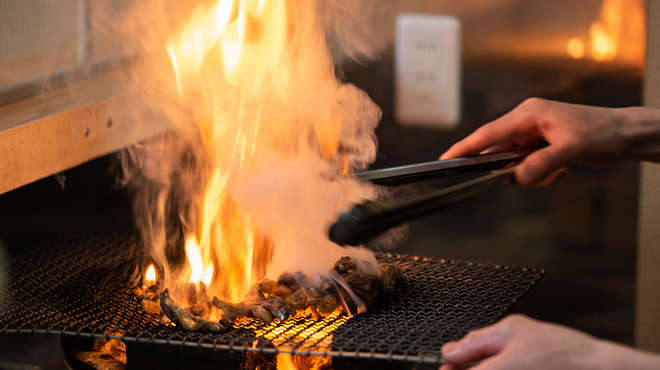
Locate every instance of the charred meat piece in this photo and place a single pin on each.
(393, 275)
(372, 289)
(327, 305)
(313, 296)
(345, 264)
(184, 319)
(298, 300)
(262, 313)
(366, 287)
(254, 296)
(267, 286)
(291, 280)
(266, 310)
(391, 271)
(288, 311)
(151, 300)
(276, 301)
(291, 293)
(283, 292)
(230, 311)
(279, 308)
(192, 294)
(200, 304)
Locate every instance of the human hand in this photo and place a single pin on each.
(518, 342)
(574, 134)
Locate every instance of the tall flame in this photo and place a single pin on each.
(263, 131)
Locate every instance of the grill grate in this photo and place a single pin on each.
(78, 286)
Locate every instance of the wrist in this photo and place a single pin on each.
(612, 356)
(640, 133)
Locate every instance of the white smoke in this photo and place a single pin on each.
(291, 190)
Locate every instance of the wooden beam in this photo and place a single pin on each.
(48, 134)
(647, 321)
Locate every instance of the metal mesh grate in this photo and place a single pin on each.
(79, 286)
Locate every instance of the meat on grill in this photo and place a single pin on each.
(292, 293)
(183, 318)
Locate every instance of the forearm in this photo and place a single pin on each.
(640, 132)
(612, 356)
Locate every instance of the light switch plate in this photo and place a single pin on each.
(427, 70)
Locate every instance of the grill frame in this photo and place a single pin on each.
(49, 288)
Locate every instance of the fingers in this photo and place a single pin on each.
(477, 345)
(500, 148)
(555, 177)
(541, 164)
(500, 362)
(483, 138)
(520, 123)
(451, 367)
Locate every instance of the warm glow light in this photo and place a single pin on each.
(250, 173)
(150, 276)
(575, 48)
(194, 259)
(189, 48)
(208, 275)
(603, 47)
(285, 362)
(260, 83)
(618, 33)
(246, 38)
(606, 32)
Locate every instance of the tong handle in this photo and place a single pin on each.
(449, 167)
(372, 218)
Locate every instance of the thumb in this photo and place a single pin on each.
(541, 164)
(477, 345)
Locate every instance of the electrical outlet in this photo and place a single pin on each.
(427, 70)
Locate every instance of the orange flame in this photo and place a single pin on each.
(150, 276)
(244, 38)
(262, 131)
(285, 362)
(234, 61)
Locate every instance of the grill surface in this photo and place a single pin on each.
(80, 286)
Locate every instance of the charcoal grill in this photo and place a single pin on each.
(79, 286)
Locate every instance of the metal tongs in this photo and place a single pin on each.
(372, 218)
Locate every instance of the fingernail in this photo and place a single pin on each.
(527, 175)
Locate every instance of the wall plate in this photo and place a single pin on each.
(427, 61)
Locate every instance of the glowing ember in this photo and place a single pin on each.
(285, 362)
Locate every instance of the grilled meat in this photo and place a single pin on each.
(291, 294)
(185, 319)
